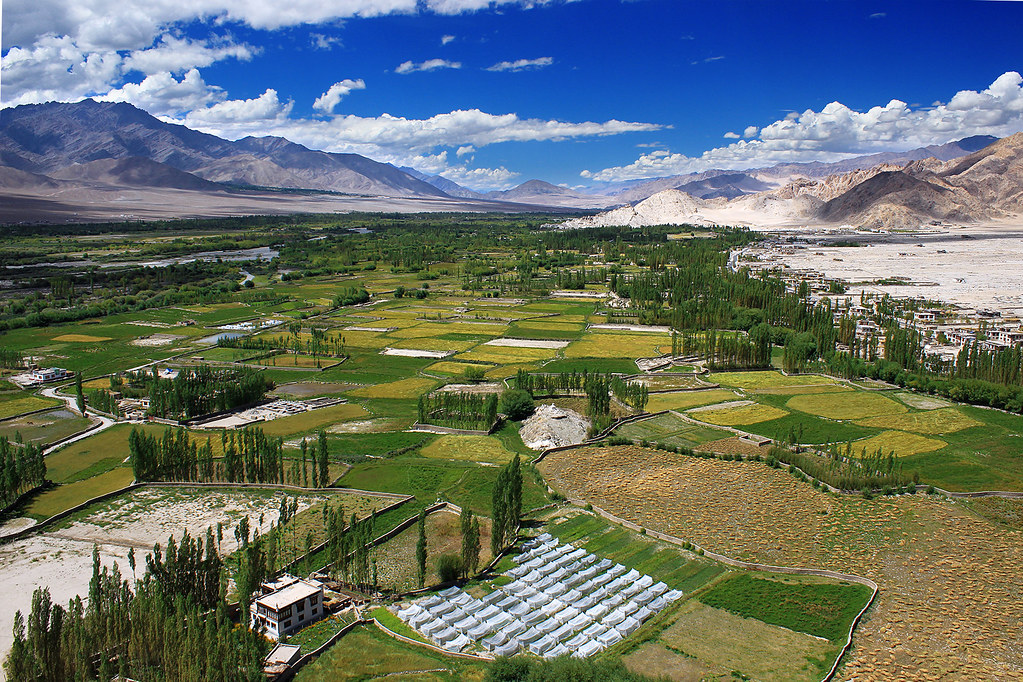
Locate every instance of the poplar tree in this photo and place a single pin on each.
(421, 548)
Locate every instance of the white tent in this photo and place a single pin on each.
(558, 650)
(544, 583)
(547, 569)
(588, 649)
(420, 618)
(614, 600)
(571, 597)
(500, 620)
(449, 593)
(644, 597)
(493, 597)
(604, 564)
(479, 632)
(513, 628)
(553, 607)
(598, 611)
(632, 590)
(586, 587)
(617, 584)
(587, 559)
(494, 641)
(577, 641)
(530, 635)
(580, 622)
(566, 614)
(632, 576)
(538, 600)
(409, 612)
(577, 553)
(520, 609)
(614, 618)
(431, 601)
(595, 630)
(466, 624)
(548, 626)
(628, 608)
(507, 649)
(628, 626)
(458, 643)
(532, 577)
(487, 612)
(444, 636)
(460, 599)
(431, 627)
(600, 594)
(556, 590)
(645, 581)
(474, 606)
(454, 615)
(609, 638)
(602, 579)
(588, 573)
(533, 617)
(507, 603)
(563, 633)
(658, 589)
(673, 595)
(441, 609)
(617, 570)
(657, 604)
(585, 603)
(642, 614)
(542, 645)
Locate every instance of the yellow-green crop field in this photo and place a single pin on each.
(468, 448)
(683, 400)
(552, 326)
(403, 388)
(453, 368)
(427, 343)
(11, 408)
(854, 405)
(902, 443)
(505, 371)
(506, 355)
(613, 345)
(765, 379)
(81, 338)
(740, 416)
(944, 420)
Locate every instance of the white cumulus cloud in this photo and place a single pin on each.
(329, 100)
(838, 132)
(180, 54)
(522, 64)
(162, 94)
(444, 40)
(428, 65)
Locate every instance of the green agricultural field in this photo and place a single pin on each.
(468, 448)
(685, 399)
(292, 360)
(44, 427)
(63, 497)
(13, 404)
(366, 653)
(434, 343)
(900, 442)
(855, 405)
(804, 604)
(506, 355)
(942, 420)
(403, 388)
(96, 454)
(739, 416)
(617, 345)
(454, 369)
(600, 365)
(460, 482)
(758, 380)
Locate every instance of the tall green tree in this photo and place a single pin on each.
(470, 542)
(79, 395)
(421, 549)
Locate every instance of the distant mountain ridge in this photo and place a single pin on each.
(56, 138)
(986, 184)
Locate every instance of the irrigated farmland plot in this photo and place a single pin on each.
(470, 448)
(901, 443)
(758, 380)
(610, 345)
(403, 388)
(683, 400)
(741, 415)
(853, 405)
(948, 606)
(944, 420)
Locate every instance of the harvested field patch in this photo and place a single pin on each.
(901, 443)
(81, 338)
(921, 401)
(615, 345)
(739, 416)
(732, 446)
(925, 553)
(434, 344)
(396, 559)
(468, 448)
(942, 420)
(855, 405)
(685, 399)
(765, 379)
(416, 353)
(670, 429)
(403, 388)
(725, 642)
(805, 390)
(292, 360)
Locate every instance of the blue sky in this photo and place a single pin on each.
(578, 93)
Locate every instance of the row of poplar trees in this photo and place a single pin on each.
(22, 468)
(169, 624)
(506, 506)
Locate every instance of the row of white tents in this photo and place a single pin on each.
(561, 600)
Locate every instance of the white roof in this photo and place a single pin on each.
(291, 594)
(282, 653)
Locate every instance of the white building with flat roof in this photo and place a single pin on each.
(290, 605)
